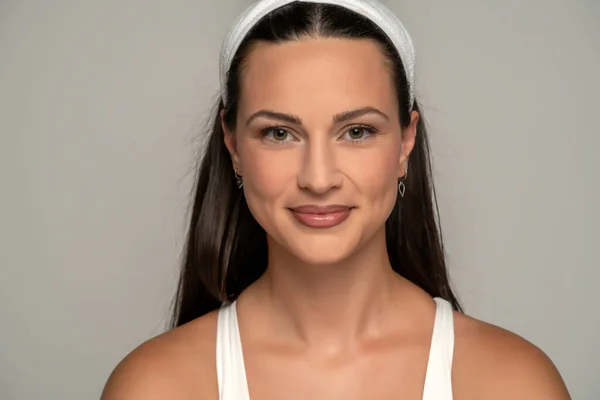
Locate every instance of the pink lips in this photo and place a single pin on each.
(321, 216)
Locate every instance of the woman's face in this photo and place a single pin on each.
(319, 144)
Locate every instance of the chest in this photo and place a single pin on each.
(388, 372)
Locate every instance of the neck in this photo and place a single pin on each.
(331, 304)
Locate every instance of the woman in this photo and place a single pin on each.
(314, 267)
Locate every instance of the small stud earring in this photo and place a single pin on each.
(401, 185)
(238, 179)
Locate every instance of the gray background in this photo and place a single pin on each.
(100, 108)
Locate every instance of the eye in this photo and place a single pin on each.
(358, 133)
(277, 134)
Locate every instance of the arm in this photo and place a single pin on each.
(141, 375)
(495, 364)
(177, 365)
(530, 375)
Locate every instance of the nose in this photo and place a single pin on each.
(319, 172)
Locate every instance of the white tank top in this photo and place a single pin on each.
(231, 373)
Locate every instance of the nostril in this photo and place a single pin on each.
(319, 173)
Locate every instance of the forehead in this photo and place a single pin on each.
(317, 76)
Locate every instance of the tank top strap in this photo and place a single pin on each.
(231, 373)
(438, 378)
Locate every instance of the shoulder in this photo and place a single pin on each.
(493, 363)
(179, 364)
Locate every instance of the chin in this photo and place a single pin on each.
(326, 246)
(322, 250)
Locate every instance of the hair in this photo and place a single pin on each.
(226, 249)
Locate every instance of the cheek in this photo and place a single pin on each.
(375, 171)
(267, 174)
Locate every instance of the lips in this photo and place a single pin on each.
(315, 216)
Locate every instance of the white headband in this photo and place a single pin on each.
(371, 9)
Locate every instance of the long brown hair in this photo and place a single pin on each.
(226, 248)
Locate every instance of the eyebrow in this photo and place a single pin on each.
(337, 118)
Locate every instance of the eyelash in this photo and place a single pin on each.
(268, 129)
(369, 129)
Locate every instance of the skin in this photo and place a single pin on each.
(329, 319)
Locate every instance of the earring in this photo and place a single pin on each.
(238, 179)
(401, 185)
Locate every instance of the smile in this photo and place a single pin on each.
(321, 216)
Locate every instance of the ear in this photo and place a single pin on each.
(230, 142)
(409, 135)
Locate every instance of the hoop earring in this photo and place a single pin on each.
(401, 185)
(238, 179)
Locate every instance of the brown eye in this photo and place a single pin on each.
(277, 134)
(356, 133)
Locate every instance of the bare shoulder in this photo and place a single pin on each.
(493, 363)
(178, 365)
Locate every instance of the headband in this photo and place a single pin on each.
(370, 9)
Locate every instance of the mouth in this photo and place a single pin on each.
(327, 216)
